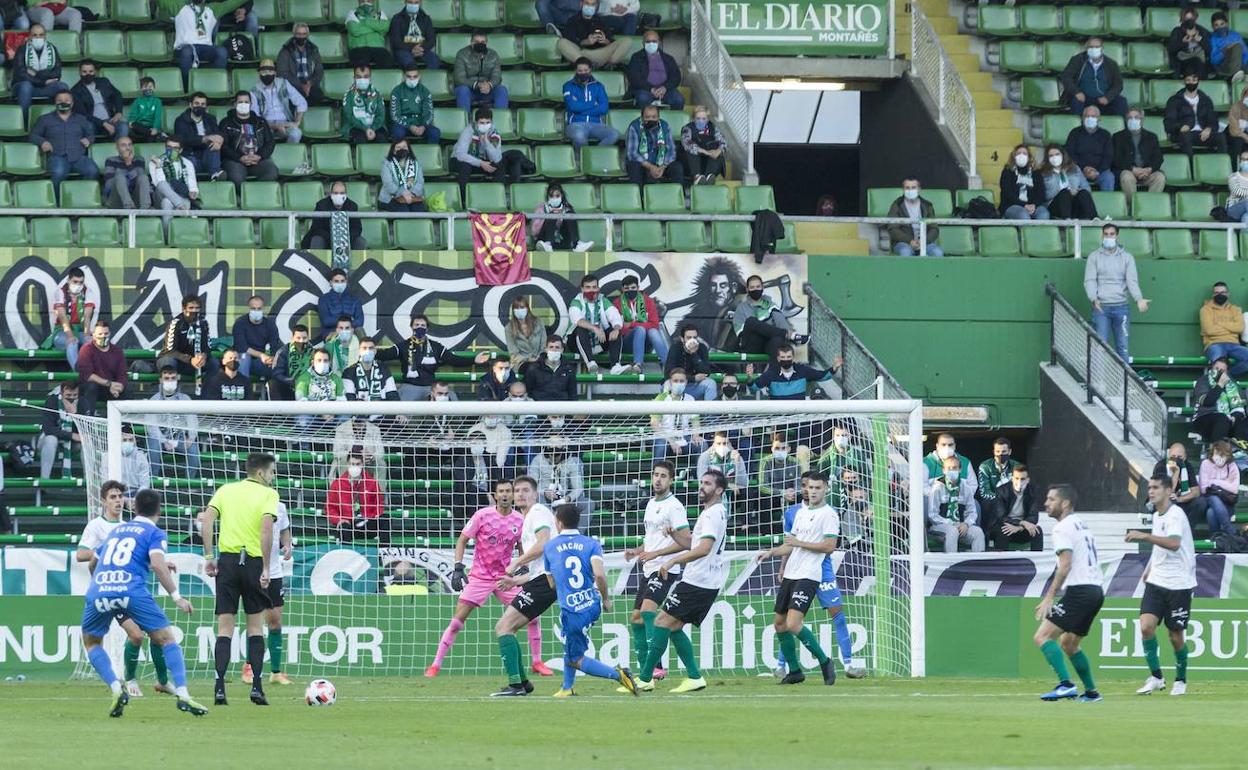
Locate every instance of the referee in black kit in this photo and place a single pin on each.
(247, 510)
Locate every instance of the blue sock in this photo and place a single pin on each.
(599, 669)
(843, 638)
(102, 664)
(176, 663)
(569, 673)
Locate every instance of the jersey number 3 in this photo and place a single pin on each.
(576, 577)
(119, 552)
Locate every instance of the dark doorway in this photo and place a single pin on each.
(801, 173)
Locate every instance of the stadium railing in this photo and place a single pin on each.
(709, 60)
(861, 374)
(930, 65)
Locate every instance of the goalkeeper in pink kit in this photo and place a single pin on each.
(496, 530)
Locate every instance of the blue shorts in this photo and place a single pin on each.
(829, 595)
(99, 612)
(576, 627)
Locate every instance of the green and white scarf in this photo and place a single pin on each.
(635, 311)
(40, 60)
(67, 422)
(660, 142)
(174, 170)
(953, 511)
(414, 35)
(403, 172)
(592, 311)
(298, 361)
(201, 19)
(764, 308)
(340, 240)
(1231, 400)
(363, 105)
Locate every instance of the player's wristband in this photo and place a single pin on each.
(176, 596)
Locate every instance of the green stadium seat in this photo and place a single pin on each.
(1194, 206)
(149, 46)
(1040, 93)
(1113, 123)
(362, 193)
(338, 10)
(234, 233)
(190, 233)
(1046, 242)
(262, 196)
(335, 84)
(955, 240)
(527, 196)
(368, 158)
(1110, 205)
(1057, 53)
(332, 46)
(520, 86)
(108, 46)
(1212, 169)
(1219, 92)
(998, 21)
(333, 159)
(879, 199)
(664, 199)
(1147, 58)
(510, 48)
(454, 201)
(1133, 91)
(6, 194)
(1160, 91)
(642, 235)
(22, 159)
(621, 118)
(1124, 21)
(385, 81)
(376, 234)
(1212, 245)
(311, 12)
(556, 161)
(710, 199)
(132, 12)
(540, 51)
(215, 83)
(1138, 241)
(34, 194)
(941, 200)
(98, 231)
(540, 124)
(552, 85)
(451, 43)
(615, 84)
(149, 232)
(1178, 170)
(669, 18)
(270, 43)
(452, 122)
(98, 7)
(303, 196)
(1156, 124)
(1114, 50)
(1173, 244)
(80, 194)
(621, 199)
(1041, 20)
(275, 234)
(462, 233)
(13, 231)
(1084, 21)
(12, 124)
(432, 160)
(788, 244)
(751, 198)
(1154, 207)
(583, 195)
(289, 157)
(687, 237)
(963, 197)
(521, 14)
(218, 196)
(445, 13)
(416, 235)
(481, 14)
(168, 81)
(321, 123)
(1159, 21)
(504, 124)
(68, 44)
(999, 242)
(486, 196)
(124, 79)
(268, 12)
(51, 231)
(594, 230)
(733, 237)
(1021, 56)
(1058, 127)
(601, 162)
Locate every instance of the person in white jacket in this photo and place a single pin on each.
(173, 179)
(279, 102)
(952, 511)
(193, 29)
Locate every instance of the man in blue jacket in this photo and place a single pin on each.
(1227, 52)
(337, 303)
(256, 339)
(585, 101)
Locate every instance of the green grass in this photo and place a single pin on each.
(736, 722)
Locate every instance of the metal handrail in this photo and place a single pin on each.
(930, 64)
(732, 101)
(821, 317)
(1148, 400)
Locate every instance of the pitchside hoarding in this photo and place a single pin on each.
(810, 28)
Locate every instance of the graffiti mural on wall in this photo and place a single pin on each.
(139, 299)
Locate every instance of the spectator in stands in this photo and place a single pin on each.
(1191, 119)
(411, 109)
(595, 324)
(73, 307)
(185, 345)
(363, 110)
(1220, 410)
(490, 455)
(1227, 53)
(240, 19)
(703, 146)
(785, 380)
(193, 30)
(412, 38)
(320, 234)
(126, 185)
(650, 151)
(50, 14)
(549, 228)
(402, 180)
(1093, 79)
(760, 325)
(477, 75)
(1067, 193)
(620, 16)
(653, 75)
(692, 356)
(367, 379)
(201, 137)
(553, 379)
(560, 476)
(147, 113)
(1219, 487)
(675, 433)
(419, 358)
(721, 456)
(173, 179)
(228, 384)
(58, 430)
(952, 513)
(64, 136)
(136, 469)
(292, 360)
(1184, 481)
(12, 17)
(585, 108)
(361, 436)
(1021, 190)
(1015, 512)
(496, 385)
(36, 70)
(319, 382)
(257, 340)
(1237, 186)
(992, 476)
(101, 369)
(555, 13)
(173, 433)
(98, 101)
(343, 346)
(1137, 156)
(588, 36)
(1109, 277)
(367, 28)
(1091, 148)
(1190, 44)
(526, 335)
(841, 454)
(299, 63)
(354, 504)
(913, 206)
(247, 144)
(479, 150)
(946, 447)
(641, 322)
(1237, 125)
(1221, 324)
(779, 475)
(336, 303)
(278, 101)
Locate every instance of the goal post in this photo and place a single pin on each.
(374, 601)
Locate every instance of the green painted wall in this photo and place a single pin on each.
(971, 331)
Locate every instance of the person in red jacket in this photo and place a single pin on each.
(101, 369)
(355, 502)
(641, 322)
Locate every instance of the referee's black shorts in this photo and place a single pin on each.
(239, 578)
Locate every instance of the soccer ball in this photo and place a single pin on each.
(320, 692)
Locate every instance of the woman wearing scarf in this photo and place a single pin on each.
(1220, 410)
(402, 180)
(552, 231)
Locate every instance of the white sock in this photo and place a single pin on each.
(183, 693)
(115, 686)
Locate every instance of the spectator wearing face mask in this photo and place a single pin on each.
(992, 476)
(228, 384)
(1183, 481)
(136, 469)
(492, 459)
(247, 144)
(359, 435)
(1237, 126)
(952, 512)
(641, 323)
(412, 38)
(279, 102)
(174, 434)
(101, 368)
(343, 346)
(419, 358)
(193, 30)
(913, 206)
(147, 113)
(73, 308)
(97, 100)
(1237, 185)
(1016, 513)
(1221, 326)
(186, 344)
(319, 382)
(496, 385)
(586, 105)
(320, 234)
(1093, 79)
(126, 184)
(36, 70)
(58, 429)
(368, 379)
(477, 76)
(549, 227)
(367, 29)
(336, 303)
(201, 137)
(1137, 157)
(722, 457)
(729, 387)
(587, 35)
(526, 336)
(946, 447)
(653, 75)
(676, 434)
(299, 63)
(1190, 44)
(760, 325)
(1191, 119)
(1067, 193)
(1227, 53)
(363, 110)
(1022, 191)
(703, 146)
(402, 180)
(692, 356)
(173, 178)
(595, 324)
(291, 361)
(479, 151)
(256, 339)
(1091, 148)
(650, 151)
(1109, 279)
(411, 110)
(785, 380)
(1220, 407)
(1219, 488)
(65, 137)
(552, 378)
(354, 504)
(779, 475)
(840, 455)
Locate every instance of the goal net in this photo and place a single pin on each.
(368, 584)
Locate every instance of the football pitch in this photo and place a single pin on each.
(734, 723)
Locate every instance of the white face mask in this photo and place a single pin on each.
(256, 316)
(1109, 243)
(553, 356)
(322, 368)
(368, 356)
(1055, 161)
(952, 476)
(338, 198)
(354, 471)
(412, 82)
(484, 128)
(555, 201)
(1134, 124)
(1021, 159)
(243, 108)
(1091, 123)
(1094, 53)
(169, 387)
(678, 388)
(441, 397)
(911, 194)
(521, 313)
(490, 422)
(842, 442)
(344, 336)
(363, 83)
(556, 422)
(75, 288)
(1219, 461)
(651, 48)
(127, 448)
(723, 449)
(780, 454)
(944, 452)
(38, 43)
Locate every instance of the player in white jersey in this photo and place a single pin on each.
(667, 533)
(112, 499)
(527, 570)
(690, 600)
(1169, 581)
(277, 598)
(1070, 618)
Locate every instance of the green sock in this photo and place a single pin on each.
(788, 645)
(509, 649)
(684, 650)
(1083, 667)
(275, 651)
(1053, 654)
(1180, 664)
(158, 662)
(131, 658)
(658, 645)
(808, 639)
(647, 621)
(641, 643)
(1152, 657)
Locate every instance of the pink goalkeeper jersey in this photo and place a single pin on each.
(496, 537)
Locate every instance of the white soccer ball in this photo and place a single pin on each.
(320, 692)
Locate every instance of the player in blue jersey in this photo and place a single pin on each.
(829, 596)
(119, 588)
(574, 567)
